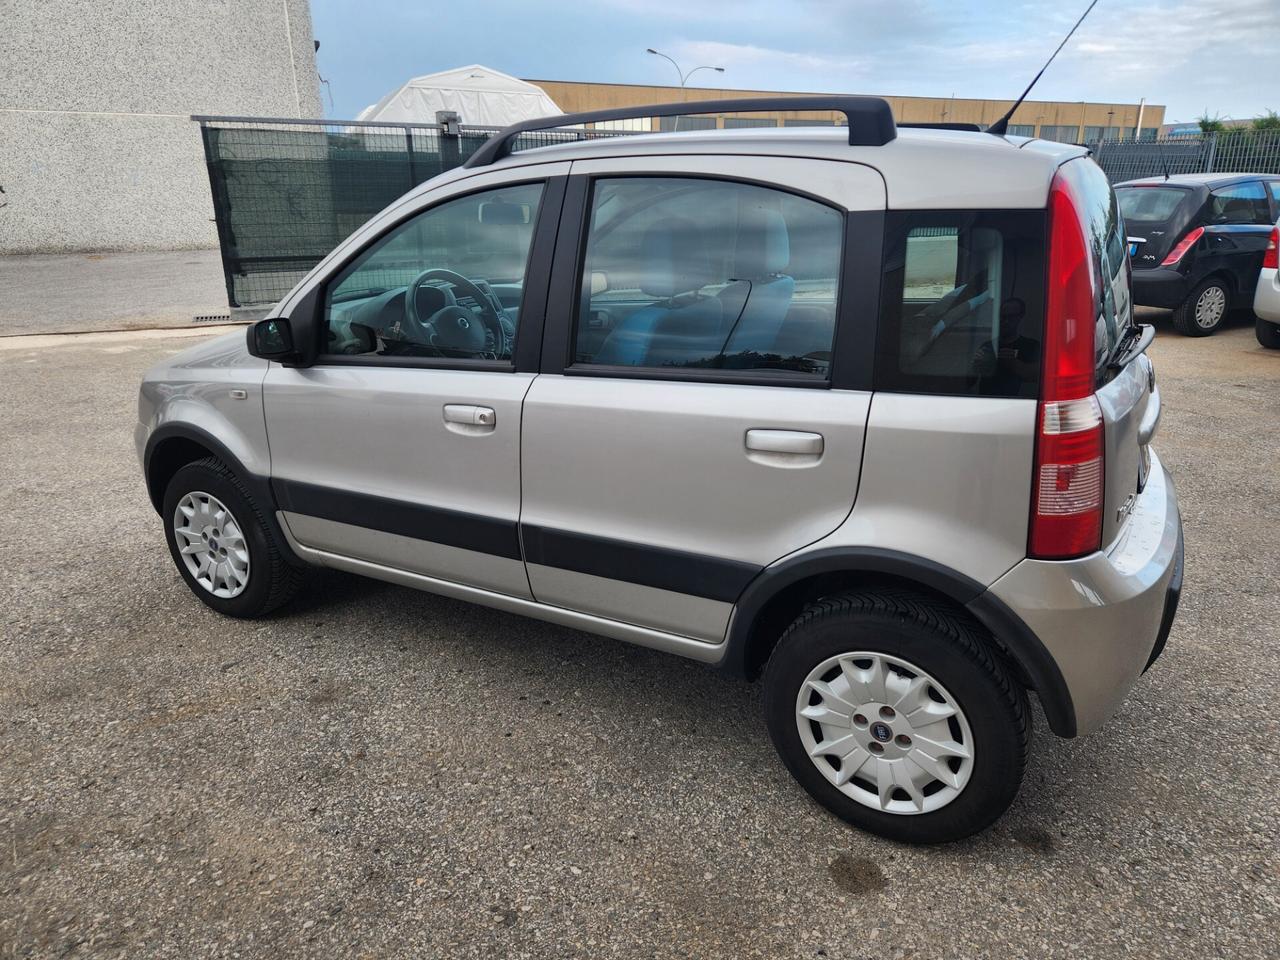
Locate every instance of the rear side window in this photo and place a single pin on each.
(701, 274)
(962, 303)
(1240, 203)
(1150, 204)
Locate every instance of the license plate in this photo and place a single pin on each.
(1144, 466)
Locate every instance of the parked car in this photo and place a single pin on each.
(1196, 241)
(1266, 298)
(798, 403)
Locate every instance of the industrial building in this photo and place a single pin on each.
(1072, 122)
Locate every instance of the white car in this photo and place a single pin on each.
(1266, 299)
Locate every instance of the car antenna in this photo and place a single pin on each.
(1164, 164)
(1001, 126)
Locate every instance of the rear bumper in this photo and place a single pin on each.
(1266, 297)
(1160, 287)
(1105, 618)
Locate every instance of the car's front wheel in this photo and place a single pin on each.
(222, 545)
(894, 713)
(1203, 312)
(1268, 333)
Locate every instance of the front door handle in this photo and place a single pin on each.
(467, 418)
(794, 442)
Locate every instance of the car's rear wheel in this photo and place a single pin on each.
(222, 545)
(895, 714)
(1203, 312)
(1268, 333)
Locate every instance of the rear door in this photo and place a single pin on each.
(1239, 226)
(696, 418)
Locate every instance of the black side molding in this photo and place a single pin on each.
(870, 119)
(453, 528)
(713, 578)
(1008, 629)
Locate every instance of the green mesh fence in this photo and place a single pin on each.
(286, 192)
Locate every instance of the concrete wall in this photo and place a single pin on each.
(573, 97)
(97, 149)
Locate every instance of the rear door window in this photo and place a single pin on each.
(1240, 203)
(962, 303)
(707, 275)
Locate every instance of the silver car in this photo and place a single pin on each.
(860, 411)
(1266, 298)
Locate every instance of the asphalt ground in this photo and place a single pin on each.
(79, 292)
(376, 772)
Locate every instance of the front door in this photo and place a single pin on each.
(686, 431)
(401, 445)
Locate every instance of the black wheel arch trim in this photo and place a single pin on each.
(1007, 627)
(259, 486)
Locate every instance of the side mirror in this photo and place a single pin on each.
(599, 282)
(272, 339)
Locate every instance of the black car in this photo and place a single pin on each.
(1196, 242)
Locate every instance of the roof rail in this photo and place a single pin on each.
(972, 127)
(870, 119)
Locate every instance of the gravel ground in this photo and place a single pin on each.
(379, 772)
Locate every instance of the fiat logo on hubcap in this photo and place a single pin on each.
(881, 732)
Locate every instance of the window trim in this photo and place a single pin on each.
(570, 262)
(533, 295)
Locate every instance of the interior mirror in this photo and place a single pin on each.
(599, 282)
(501, 213)
(271, 339)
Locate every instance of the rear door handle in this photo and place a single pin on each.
(785, 441)
(469, 418)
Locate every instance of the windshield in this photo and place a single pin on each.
(1149, 204)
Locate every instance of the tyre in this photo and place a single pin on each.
(221, 544)
(1268, 333)
(896, 716)
(1204, 309)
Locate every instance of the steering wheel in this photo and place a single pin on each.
(453, 327)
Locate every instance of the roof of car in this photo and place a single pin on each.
(1209, 180)
(921, 167)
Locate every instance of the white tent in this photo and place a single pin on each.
(480, 96)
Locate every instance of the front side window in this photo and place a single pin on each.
(1241, 203)
(961, 303)
(445, 284)
(700, 274)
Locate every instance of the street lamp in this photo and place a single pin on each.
(684, 77)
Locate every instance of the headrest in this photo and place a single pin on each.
(763, 247)
(674, 259)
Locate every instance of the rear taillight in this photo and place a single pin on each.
(1271, 259)
(1067, 491)
(1185, 244)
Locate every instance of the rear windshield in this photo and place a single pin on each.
(962, 303)
(1149, 204)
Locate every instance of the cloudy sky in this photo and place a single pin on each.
(1191, 55)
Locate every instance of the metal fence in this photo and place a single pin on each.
(286, 192)
(1230, 151)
